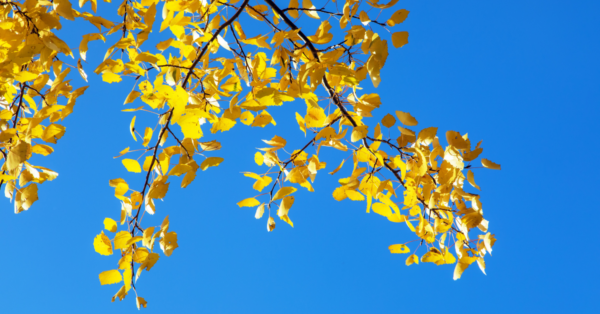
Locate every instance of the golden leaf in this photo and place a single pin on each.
(249, 202)
(284, 191)
(471, 179)
(388, 121)
(398, 17)
(110, 277)
(489, 164)
(399, 39)
(211, 162)
(132, 165)
(110, 225)
(121, 240)
(412, 259)
(270, 224)
(406, 119)
(102, 244)
(399, 248)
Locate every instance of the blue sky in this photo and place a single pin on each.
(522, 76)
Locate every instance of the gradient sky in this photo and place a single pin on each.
(523, 76)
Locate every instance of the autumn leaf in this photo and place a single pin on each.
(284, 191)
(132, 165)
(110, 277)
(110, 225)
(211, 162)
(102, 244)
(249, 202)
(399, 248)
(489, 164)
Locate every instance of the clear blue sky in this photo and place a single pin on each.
(523, 76)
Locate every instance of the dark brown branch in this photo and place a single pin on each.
(328, 12)
(178, 141)
(221, 28)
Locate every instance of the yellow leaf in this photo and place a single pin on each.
(270, 224)
(388, 5)
(132, 165)
(284, 208)
(249, 202)
(17, 155)
(25, 76)
(81, 71)
(223, 43)
(168, 243)
(388, 121)
(25, 198)
(121, 240)
(412, 259)
(406, 119)
(133, 109)
(110, 225)
(132, 97)
(7, 114)
(110, 77)
(132, 128)
(140, 255)
(263, 119)
(180, 169)
(6, 178)
(109, 277)
(462, 264)
(294, 4)
(455, 139)
(146, 57)
(64, 9)
(338, 168)
(442, 225)
(147, 136)
(300, 121)
(260, 210)
(382, 209)
(247, 117)
(123, 152)
(307, 4)
(398, 248)
(489, 164)
(127, 276)
(276, 141)
(359, 133)
(102, 244)
(433, 256)
(399, 39)
(354, 196)
(147, 239)
(259, 158)
(398, 17)
(41, 149)
(426, 136)
(134, 240)
(140, 302)
(210, 146)
(471, 179)
(410, 226)
(121, 294)
(284, 191)
(211, 162)
(425, 231)
(364, 18)
(125, 261)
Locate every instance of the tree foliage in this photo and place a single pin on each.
(226, 64)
